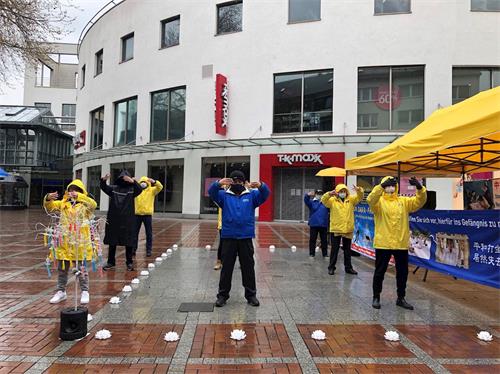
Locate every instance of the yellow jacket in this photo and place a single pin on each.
(219, 219)
(342, 212)
(391, 214)
(71, 213)
(145, 202)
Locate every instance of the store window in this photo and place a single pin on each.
(215, 168)
(96, 128)
(390, 98)
(125, 121)
(229, 17)
(99, 59)
(303, 101)
(304, 10)
(170, 31)
(93, 183)
(42, 76)
(168, 114)
(127, 47)
(171, 174)
(485, 5)
(68, 112)
(468, 81)
(392, 6)
(116, 169)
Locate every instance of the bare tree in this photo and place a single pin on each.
(26, 26)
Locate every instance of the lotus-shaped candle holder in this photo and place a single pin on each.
(208, 247)
(145, 273)
(151, 266)
(158, 259)
(318, 335)
(115, 300)
(169, 251)
(103, 334)
(164, 255)
(89, 317)
(135, 281)
(175, 247)
(317, 249)
(485, 336)
(392, 336)
(272, 248)
(171, 336)
(127, 288)
(238, 334)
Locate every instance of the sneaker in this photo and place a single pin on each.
(221, 301)
(218, 265)
(85, 298)
(404, 304)
(58, 297)
(376, 303)
(253, 301)
(108, 267)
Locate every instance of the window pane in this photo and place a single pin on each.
(131, 121)
(287, 93)
(495, 78)
(120, 123)
(171, 30)
(127, 48)
(68, 110)
(467, 82)
(485, 5)
(160, 104)
(412, 78)
(46, 76)
(39, 73)
(286, 123)
(83, 75)
(304, 10)
(317, 121)
(373, 98)
(229, 17)
(177, 114)
(98, 62)
(97, 128)
(392, 6)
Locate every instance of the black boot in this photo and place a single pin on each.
(403, 304)
(253, 301)
(351, 271)
(331, 271)
(221, 301)
(376, 302)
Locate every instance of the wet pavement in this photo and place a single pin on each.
(297, 297)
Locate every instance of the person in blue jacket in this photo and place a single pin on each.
(319, 218)
(238, 205)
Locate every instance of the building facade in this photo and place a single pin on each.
(186, 92)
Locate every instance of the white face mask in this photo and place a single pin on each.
(342, 195)
(390, 189)
(144, 184)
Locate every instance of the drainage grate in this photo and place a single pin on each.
(196, 307)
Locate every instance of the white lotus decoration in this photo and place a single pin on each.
(169, 251)
(115, 300)
(392, 336)
(145, 273)
(272, 248)
(317, 249)
(208, 247)
(158, 259)
(89, 317)
(127, 288)
(151, 266)
(103, 334)
(318, 335)
(164, 255)
(171, 336)
(238, 334)
(485, 336)
(135, 281)
(293, 248)
(175, 247)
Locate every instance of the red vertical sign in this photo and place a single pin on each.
(221, 104)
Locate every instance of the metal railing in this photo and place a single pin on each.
(63, 123)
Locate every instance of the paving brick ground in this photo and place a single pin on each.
(27, 339)
(373, 368)
(107, 369)
(473, 369)
(14, 367)
(245, 369)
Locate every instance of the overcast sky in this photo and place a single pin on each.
(87, 9)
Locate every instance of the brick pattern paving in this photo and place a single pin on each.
(352, 341)
(8, 302)
(473, 369)
(244, 369)
(43, 309)
(28, 339)
(373, 368)
(107, 369)
(441, 341)
(132, 340)
(14, 367)
(263, 340)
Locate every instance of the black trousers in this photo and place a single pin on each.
(148, 225)
(382, 258)
(112, 254)
(219, 248)
(313, 235)
(334, 254)
(242, 248)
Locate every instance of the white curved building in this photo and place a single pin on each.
(310, 84)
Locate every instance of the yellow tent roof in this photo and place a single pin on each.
(462, 138)
(331, 172)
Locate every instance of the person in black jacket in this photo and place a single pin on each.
(120, 225)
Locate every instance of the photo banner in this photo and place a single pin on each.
(464, 244)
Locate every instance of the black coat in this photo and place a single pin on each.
(120, 225)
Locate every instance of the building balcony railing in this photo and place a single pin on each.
(64, 123)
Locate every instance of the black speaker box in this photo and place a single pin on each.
(73, 323)
(430, 204)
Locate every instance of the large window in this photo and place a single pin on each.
(467, 82)
(170, 30)
(125, 121)
(304, 10)
(127, 47)
(303, 101)
(215, 168)
(43, 73)
(68, 112)
(93, 183)
(485, 5)
(96, 128)
(168, 112)
(390, 98)
(229, 17)
(98, 62)
(392, 6)
(171, 174)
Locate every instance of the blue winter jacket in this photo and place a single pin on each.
(238, 211)
(319, 216)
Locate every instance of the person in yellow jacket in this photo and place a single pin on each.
(144, 209)
(341, 205)
(75, 209)
(218, 264)
(392, 233)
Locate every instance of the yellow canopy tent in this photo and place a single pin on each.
(331, 172)
(462, 138)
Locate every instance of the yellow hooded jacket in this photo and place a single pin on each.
(71, 213)
(145, 202)
(391, 214)
(342, 212)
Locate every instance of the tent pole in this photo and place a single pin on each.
(399, 171)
